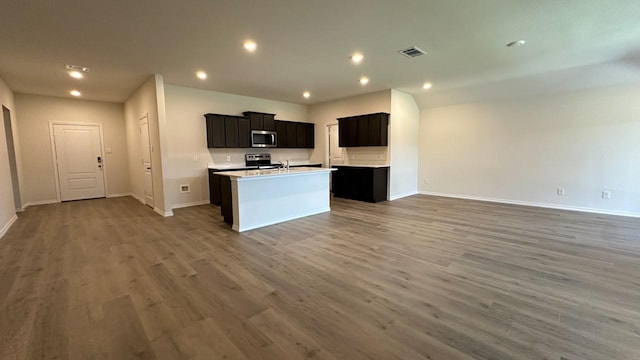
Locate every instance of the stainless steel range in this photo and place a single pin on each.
(261, 161)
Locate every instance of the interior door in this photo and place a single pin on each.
(145, 147)
(79, 160)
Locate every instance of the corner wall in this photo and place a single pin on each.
(404, 127)
(7, 206)
(522, 150)
(144, 101)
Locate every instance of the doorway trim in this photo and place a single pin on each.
(153, 195)
(327, 153)
(12, 154)
(54, 160)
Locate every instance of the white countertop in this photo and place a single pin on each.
(273, 172)
(224, 166)
(362, 165)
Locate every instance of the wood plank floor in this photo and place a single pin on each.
(417, 278)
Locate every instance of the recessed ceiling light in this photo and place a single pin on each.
(75, 93)
(250, 45)
(201, 75)
(364, 80)
(426, 86)
(356, 58)
(516, 43)
(76, 74)
(306, 94)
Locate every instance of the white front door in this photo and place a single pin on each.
(335, 151)
(145, 147)
(79, 159)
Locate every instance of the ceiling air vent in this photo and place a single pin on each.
(412, 52)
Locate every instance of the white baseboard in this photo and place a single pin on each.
(163, 213)
(39, 202)
(119, 195)
(396, 197)
(536, 204)
(6, 227)
(195, 203)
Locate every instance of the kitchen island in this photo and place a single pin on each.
(265, 197)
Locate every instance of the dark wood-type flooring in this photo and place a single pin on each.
(417, 278)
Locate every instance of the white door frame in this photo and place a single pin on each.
(55, 160)
(144, 200)
(327, 153)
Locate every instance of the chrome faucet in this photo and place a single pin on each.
(284, 164)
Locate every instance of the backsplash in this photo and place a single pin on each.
(219, 156)
(375, 155)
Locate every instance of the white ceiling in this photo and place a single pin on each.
(305, 45)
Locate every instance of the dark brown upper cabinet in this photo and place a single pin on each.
(309, 135)
(244, 132)
(226, 131)
(291, 134)
(300, 138)
(215, 131)
(281, 131)
(295, 134)
(364, 130)
(229, 131)
(261, 121)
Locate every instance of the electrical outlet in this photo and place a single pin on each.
(195, 158)
(228, 157)
(560, 191)
(606, 194)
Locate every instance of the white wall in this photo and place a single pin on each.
(7, 207)
(145, 101)
(404, 126)
(36, 112)
(186, 137)
(523, 150)
(326, 113)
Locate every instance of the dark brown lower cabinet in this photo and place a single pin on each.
(215, 187)
(220, 194)
(226, 204)
(360, 183)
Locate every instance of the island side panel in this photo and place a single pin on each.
(289, 197)
(235, 197)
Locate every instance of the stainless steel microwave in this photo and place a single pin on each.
(261, 138)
